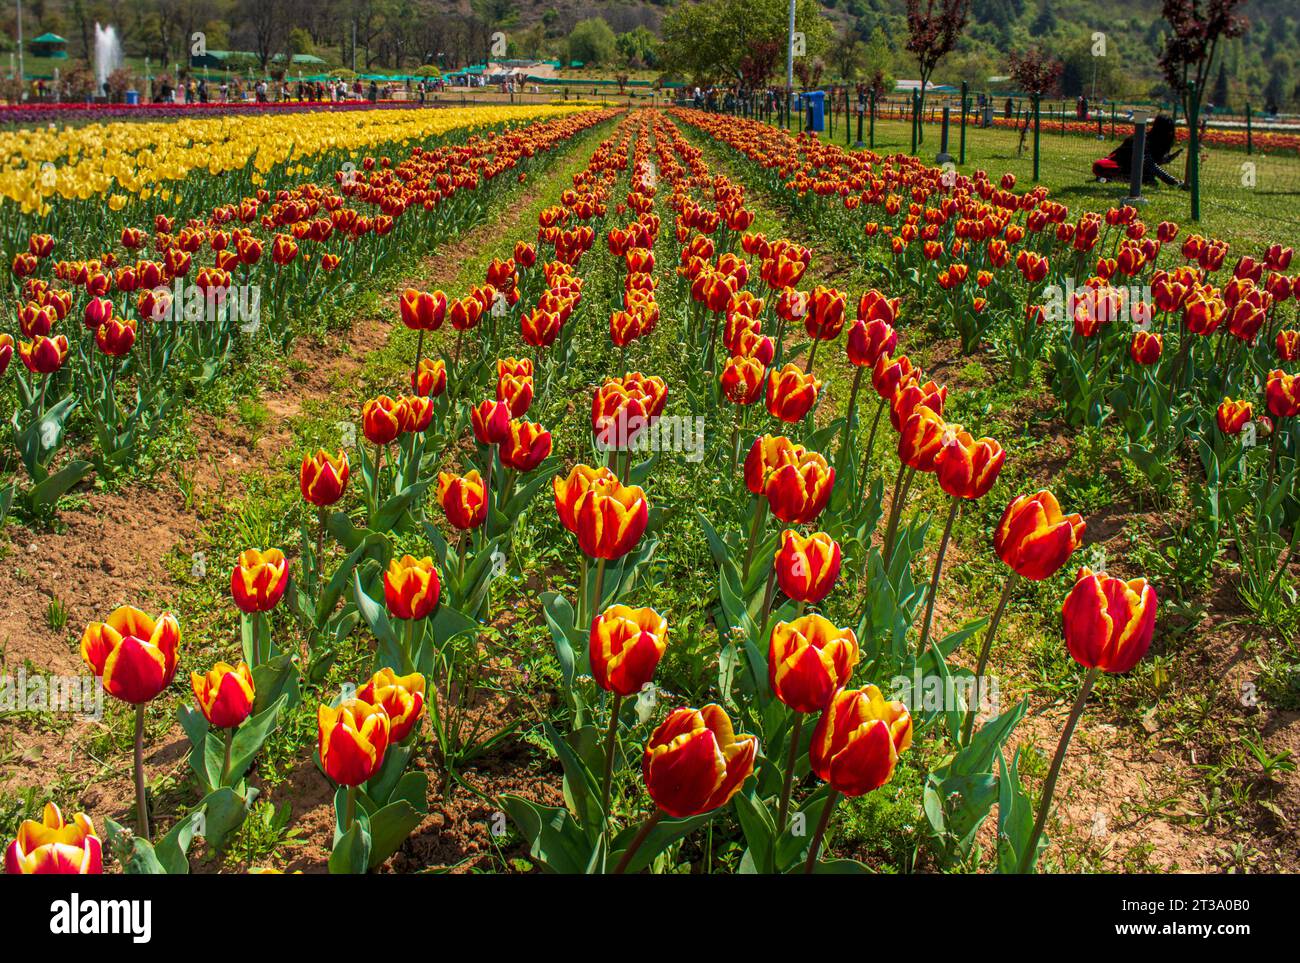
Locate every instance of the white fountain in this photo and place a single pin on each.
(108, 55)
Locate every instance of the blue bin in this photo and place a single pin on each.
(133, 97)
(815, 109)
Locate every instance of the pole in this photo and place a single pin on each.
(1137, 165)
(1038, 116)
(871, 142)
(789, 58)
(916, 118)
(965, 94)
(1249, 140)
(1193, 148)
(944, 157)
(22, 86)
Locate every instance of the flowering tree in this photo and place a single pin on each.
(1197, 28)
(932, 33)
(1036, 74)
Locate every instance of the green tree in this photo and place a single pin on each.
(592, 42)
(738, 41)
(639, 47)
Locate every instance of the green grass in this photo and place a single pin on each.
(1249, 217)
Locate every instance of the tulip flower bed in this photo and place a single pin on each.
(28, 115)
(643, 545)
(1229, 138)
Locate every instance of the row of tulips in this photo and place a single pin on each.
(157, 328)
(805, 658)
(1158, 336)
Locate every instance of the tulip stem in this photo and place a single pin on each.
(1029, 856)
(584, 594)
(611, 746)
(599, 594)
(350, 813)
(822, 823)
(847, 434)
(646, 828)
(1272, 457)
(141, 803)
(767, 605)
(791, 758)
(225, 766)
(755, 531)
(983, 662)
(938, 571)
(871, 443)
(320, 547)
(419, 353)
(812, 353)
(901, 487)
(374, 495)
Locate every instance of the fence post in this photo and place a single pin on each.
(848, 119)
(1038, 116)
(1193, 146)
(1137, 167)
(961, 149)
(1112, 120)
(916, 119)
(871, 134)
(1249, 140)
(944, 157)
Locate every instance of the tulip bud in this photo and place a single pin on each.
(570, 489)
(1282, 392)
(402, 697)
(806, 568)
(808, 660)
(858, 740)
(526, 446)
(323, 477)
(352, 739)
(134, 655)
(610, 519)
(694, 762)
(225, 695)
(491, 422)
(626, 645)
(381, 420)
(798, 489)
(791, 393)
(1108, 622)
(1232, 416)
(967, 468)
(411, 587)
(1034, 538)
(463, 499)
(430, 381)
(55, 847)
(259, 579)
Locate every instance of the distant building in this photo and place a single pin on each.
(220, 59)
(49, 46)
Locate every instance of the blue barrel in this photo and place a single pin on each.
(133, 97)
(815, 107)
